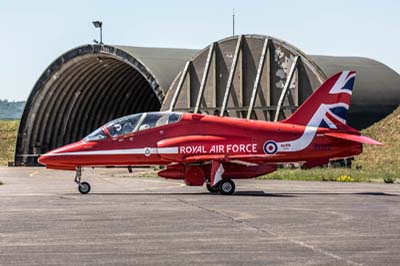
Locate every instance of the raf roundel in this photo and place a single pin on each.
(147, 151)
(270, 147)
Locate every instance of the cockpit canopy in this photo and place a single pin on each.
(132, 123)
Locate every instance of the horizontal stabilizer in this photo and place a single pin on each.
(355, 138)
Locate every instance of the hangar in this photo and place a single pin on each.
(261, 77)
(249, 76)
(90, 85)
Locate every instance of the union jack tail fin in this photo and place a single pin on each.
(328, 105)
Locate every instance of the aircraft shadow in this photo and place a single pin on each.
(239, 193)
(242, 194)
(368, 193)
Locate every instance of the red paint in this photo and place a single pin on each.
(188, 143)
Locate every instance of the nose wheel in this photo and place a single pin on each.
(83, 187)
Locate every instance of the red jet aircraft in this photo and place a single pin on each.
(214, 150)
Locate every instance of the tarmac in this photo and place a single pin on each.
(128, 220)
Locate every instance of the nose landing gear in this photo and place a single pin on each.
(83, 187)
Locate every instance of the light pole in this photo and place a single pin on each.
(99, 24)
(233, 22)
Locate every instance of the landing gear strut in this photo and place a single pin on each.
(83, 187)
(212, 189)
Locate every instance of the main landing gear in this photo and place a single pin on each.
(212, 189)
(225, 187)
(83, 187)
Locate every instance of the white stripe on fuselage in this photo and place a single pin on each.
(311, 129)
(300, 143)
(170, 150)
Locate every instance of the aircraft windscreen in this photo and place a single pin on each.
(142, 121)
(158, 119)
(123, 125)
(98, 134)
(132, 123)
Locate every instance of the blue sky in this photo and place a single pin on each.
(33, 33)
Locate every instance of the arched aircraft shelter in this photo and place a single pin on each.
(249, 76)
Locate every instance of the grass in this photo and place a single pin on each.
(375, 164)
(328, 174)
(383, 158)
(8, 136)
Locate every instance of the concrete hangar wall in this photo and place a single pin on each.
(248, 76)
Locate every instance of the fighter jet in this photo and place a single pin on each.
(213, 150)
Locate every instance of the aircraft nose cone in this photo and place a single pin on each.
(59, 156)
(44, 159)
(47, 158)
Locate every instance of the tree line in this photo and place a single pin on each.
(11, 110)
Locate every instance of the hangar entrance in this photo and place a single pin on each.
(79, 92)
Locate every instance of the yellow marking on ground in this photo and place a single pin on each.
(34, 173)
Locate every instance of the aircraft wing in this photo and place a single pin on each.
(205, 157)
(231, 167)
(355, 138)
(237, 159)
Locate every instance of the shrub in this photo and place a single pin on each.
(345, 178)
(389, 179)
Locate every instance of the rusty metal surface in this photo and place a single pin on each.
(235, 69)
(236, 80)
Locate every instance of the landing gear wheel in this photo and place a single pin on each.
(212, 189)
(226, 187)
(84, 187)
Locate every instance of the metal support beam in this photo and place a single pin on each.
(258, 77)
(296, 89)
(241, 83)
(231, 74)
(286, 87)
(179, 87)
(268, 81)
(215, 79)
(205, 76)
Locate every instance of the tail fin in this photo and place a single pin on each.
(328, 105)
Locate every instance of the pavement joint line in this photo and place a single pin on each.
(293, 241)
(149, 253)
